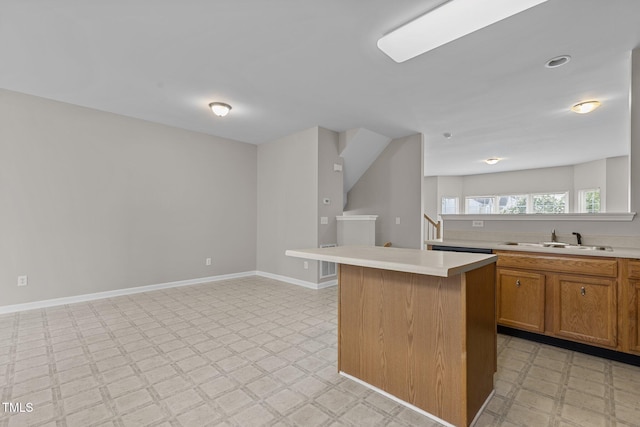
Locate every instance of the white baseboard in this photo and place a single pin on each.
(118, 292)
(298, 282)
(138, 289)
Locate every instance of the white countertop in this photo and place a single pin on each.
(615, 253)
(433, 263)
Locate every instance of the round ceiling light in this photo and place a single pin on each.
(492, 161)
(585, 107)
(220, 109)
(558, 61)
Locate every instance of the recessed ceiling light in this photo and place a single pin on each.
(220, 109)
(585, 107)
(558, 61)
(492, 161)
(447, 135)
(449, 22)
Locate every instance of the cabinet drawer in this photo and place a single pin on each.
(634, 269)
(592, 266)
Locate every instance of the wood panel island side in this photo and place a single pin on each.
(417, 326)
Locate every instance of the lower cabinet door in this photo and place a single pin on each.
(521, 299)
(586, 309)
(633, 289)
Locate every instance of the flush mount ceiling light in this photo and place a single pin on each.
(492, 161)
(585, 107)
(220, 109)
(558, 61)
(449, 22)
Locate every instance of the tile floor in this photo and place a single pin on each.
(257, 352)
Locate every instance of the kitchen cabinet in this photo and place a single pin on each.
(631, 305)
(565, 296)
(521, 299)
(586, 309)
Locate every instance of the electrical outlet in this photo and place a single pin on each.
(477, 223)
(324, 220)
(23, 280)
(207, 261)
(306, 265)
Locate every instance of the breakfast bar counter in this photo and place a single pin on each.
(417, 326)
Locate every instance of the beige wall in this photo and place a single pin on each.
(618, 184)
(288, 204)
(295, 174)
(329, 187)
(390, 188)
(92, 201)
(634, 169)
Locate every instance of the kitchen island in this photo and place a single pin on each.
(417, 326)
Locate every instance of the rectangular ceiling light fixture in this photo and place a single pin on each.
(446, 23)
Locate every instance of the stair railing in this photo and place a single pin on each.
(433, 229)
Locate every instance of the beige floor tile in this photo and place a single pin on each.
(285, 401)
(77, 386)
(88, 416)
(132, 400)
(583, 417)
(585, 386)
(231, 401)
(362, 415)
(254, 351)
(254, 416)
(335, 400)
(160, 374)
(143, 416)
(217, 386)
(308, 416)
(180, 402)
(522, 415)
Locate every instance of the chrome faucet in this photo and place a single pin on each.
(553, 236)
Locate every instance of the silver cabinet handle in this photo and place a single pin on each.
(518, 283)
(583, 291)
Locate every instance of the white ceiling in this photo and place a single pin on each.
(287, 65)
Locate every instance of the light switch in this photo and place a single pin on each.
(324, 220)
(337, 167)
(397, 220)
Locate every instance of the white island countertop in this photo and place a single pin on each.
(433, 263)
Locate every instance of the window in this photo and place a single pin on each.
(589, 200)
(480, 205)
(512, 204)
(550, 203)
(449, 205)
(519, 203)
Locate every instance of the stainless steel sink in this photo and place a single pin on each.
(560, 245)
(537, 245)
(594, 248)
